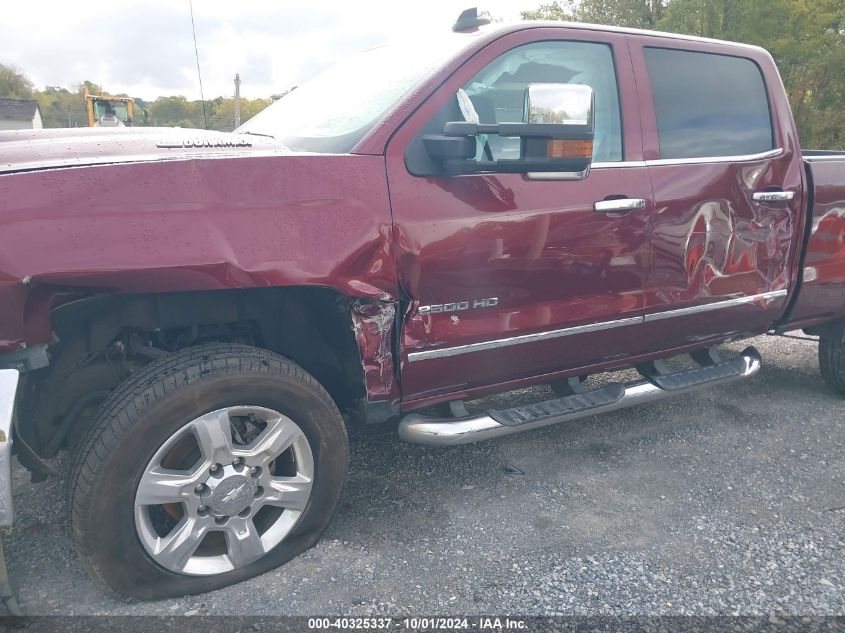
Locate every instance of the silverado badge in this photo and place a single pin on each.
(191, 143)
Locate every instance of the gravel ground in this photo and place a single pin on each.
(727, 501)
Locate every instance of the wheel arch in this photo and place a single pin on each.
(344, 342)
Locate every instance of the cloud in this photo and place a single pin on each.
(145, 47)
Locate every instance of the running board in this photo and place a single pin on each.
(449, 431)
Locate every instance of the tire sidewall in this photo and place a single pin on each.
(116, 551)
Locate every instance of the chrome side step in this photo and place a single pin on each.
(576, 403)
(434, 431)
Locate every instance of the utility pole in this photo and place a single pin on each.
(237, 100)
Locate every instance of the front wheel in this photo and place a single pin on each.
(206, 468)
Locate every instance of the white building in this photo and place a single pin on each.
(19, 114)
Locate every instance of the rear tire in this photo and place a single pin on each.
(832, 359)
(141, 418)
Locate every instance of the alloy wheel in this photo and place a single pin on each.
(224, 490)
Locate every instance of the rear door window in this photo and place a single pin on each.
(708, 105)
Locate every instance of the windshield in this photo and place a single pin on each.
(334, 110)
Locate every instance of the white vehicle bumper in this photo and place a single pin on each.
(8, 388)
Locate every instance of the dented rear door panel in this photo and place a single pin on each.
(712, 243)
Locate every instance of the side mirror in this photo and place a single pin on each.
(556, 136)
(570, 109)
(560, 104)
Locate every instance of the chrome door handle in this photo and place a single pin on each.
(619, 205)
(773, 196)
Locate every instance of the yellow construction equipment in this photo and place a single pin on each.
(104, 111)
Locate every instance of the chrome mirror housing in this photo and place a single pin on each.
(560, 104)
(571, 109)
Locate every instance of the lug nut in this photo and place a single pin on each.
(238, 463)
(221, 520)
(215, 470)
(200, 489)
(202, 511)
(255, 471)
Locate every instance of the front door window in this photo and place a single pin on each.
(497, 93)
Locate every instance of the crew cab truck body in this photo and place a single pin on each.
(197, 315)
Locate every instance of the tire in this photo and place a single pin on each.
(175, 397)
(832, 359)
(561, 388)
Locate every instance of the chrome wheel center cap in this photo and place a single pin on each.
(230, 493)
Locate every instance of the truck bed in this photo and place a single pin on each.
(821, 294)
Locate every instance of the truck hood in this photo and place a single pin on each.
(30, 150)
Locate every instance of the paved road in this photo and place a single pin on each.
(725, 501)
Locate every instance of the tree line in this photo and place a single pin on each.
(805, 37)
(61, 107)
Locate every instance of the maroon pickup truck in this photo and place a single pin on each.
(198, 316)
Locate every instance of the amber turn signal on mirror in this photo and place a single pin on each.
(557, 148)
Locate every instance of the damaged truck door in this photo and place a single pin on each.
(564, 253)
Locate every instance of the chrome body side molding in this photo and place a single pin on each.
(622, 164)
(629, 164)
(705, 160)
(445, 352)
(718, 305)
(524, 338)
(821, 158)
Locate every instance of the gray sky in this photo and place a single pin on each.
(144, 47)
